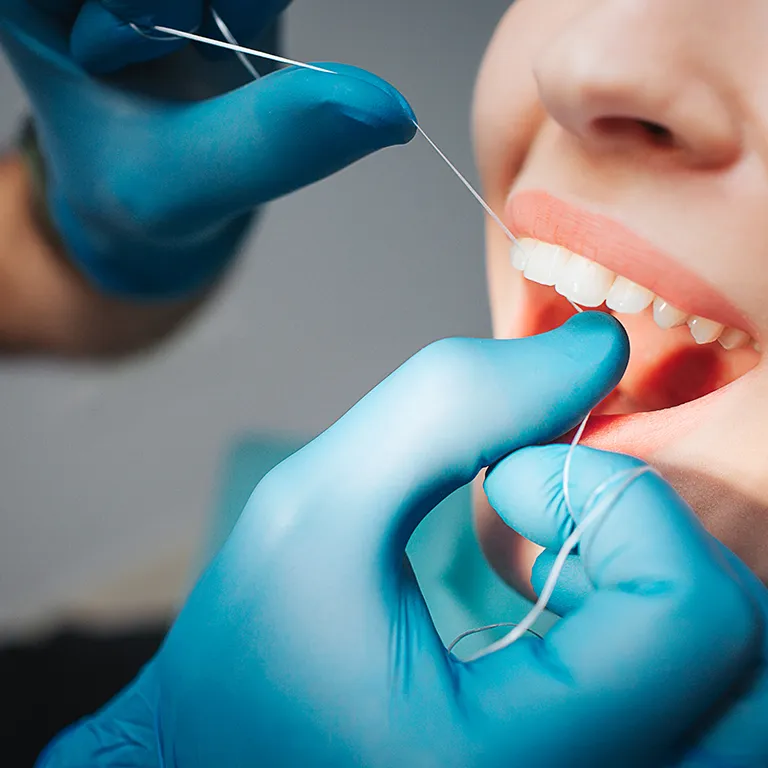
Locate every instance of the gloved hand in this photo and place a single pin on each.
(307, 642)
(529, 482)
(152, 194)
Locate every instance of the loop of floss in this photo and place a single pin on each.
(593, 511)
(500, 625)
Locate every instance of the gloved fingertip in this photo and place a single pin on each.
(573, 585)
(377, 82)
(601, 327)
(595, 337)
(374, 101)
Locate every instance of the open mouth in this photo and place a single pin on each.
(688, 343)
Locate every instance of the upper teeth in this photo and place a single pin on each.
(589, 284)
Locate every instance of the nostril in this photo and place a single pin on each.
(656, 130)
(629, 127)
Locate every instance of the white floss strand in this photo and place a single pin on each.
(568, 461)
(230, 38)
(500, 625)
(487, 208)
(596, 512)
(528, 621)
(466, 183)
(194, 37)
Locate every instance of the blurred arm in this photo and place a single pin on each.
(46, 306)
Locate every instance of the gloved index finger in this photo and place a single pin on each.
(664, 635)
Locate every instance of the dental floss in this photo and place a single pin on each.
(236, 47)
(501, 624)
(230, 38)
(528, 620)
(166, 38)
(596, 512)
(466, 183)
(593, 511)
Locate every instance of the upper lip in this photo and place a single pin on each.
(540, 215)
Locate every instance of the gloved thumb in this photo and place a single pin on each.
(429, 428)
(278, 134)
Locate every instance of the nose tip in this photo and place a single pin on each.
(636, 92)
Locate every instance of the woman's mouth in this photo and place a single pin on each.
(688, 343)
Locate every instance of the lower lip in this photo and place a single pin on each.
(643, 434)
(636, 434)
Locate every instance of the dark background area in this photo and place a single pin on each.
(49, 684)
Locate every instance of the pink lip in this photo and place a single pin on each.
(642, 434)
(541, 216)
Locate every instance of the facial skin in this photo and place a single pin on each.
(653, 114)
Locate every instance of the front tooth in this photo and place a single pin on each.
(521, 253)
(584, 282)
(733, 338)
(667, 316)
(545, 262)
(628, 298)
(704, 331)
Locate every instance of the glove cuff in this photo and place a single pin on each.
(124, 733)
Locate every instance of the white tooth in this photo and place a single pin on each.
(521, 252)
(584, 282)
(704, 331)
(627, 297)
(667, 316)
(545, 263)
(733, 338)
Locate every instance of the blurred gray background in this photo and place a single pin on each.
(108, 474)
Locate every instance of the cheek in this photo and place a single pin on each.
(508, 112)
(507, 117)
(506, 109)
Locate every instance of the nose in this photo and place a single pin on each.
(622, 77)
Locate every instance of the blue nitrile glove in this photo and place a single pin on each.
(152, 194)
(526, 490)
(307, 642)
